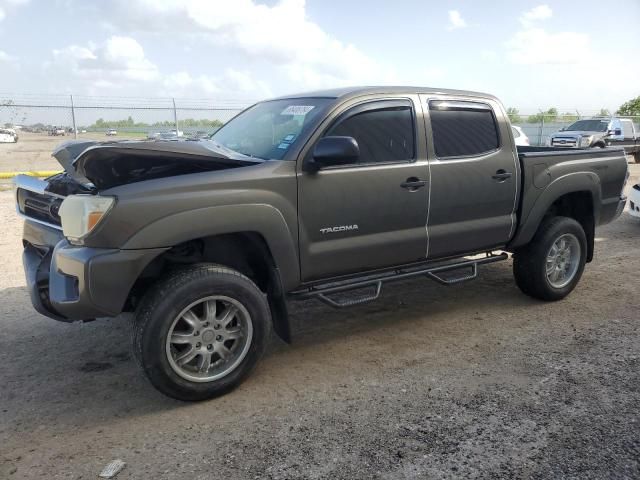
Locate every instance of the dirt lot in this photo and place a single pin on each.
(33, 151)
(475, 380)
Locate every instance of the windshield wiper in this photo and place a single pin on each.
(248, 155)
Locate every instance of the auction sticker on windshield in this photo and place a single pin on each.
(297, 110)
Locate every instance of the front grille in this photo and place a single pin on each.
(564, 142)
(43, 208)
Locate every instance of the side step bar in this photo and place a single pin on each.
(375, 281)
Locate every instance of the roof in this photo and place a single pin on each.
(345, 92)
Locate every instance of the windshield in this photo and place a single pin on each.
(589, 126)
(268, 129)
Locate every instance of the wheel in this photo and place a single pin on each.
(550, 266)
(636, 157)
(200, 331)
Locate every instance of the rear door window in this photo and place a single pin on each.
(462, 129)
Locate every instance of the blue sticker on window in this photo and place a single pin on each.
(283, 146)
(289, 138)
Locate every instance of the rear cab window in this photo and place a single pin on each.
(463, 128)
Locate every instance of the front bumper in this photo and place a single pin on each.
(69, 283)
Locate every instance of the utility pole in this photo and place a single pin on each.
(73, 119)
(541, 128)
(175, 115)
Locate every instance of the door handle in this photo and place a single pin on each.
(501, 175)
(413, 183)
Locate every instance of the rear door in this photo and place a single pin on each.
(366, 215)
(474, 175)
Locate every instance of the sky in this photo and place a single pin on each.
(569, 54)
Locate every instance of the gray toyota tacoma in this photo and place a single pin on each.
(326, 195)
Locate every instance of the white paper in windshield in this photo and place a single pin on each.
(297, 110)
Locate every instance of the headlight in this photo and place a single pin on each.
(81, 213)
(586, 141)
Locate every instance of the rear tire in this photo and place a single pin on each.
(550, 266)
(200, 331)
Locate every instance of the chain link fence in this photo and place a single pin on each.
(158, 117)
(540, 126)
(58, 115)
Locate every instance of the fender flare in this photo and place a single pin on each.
(263, 219)
(569, 183)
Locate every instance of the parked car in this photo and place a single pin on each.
(352, 188)
(520, 138)
(634, 201)
(112, 132)
(57, 132)
(599, 132)
(13, 132)
(8, 136)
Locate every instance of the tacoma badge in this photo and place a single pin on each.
(341, 228)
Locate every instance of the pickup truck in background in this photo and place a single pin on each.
(320, 195)
(600, 132)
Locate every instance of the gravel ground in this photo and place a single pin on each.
(474, 380)
(33, 151)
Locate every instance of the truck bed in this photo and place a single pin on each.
(546, 168)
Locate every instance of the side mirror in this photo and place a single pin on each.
(333, 151)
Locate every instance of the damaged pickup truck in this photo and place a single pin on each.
(327, 195)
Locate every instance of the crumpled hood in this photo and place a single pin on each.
(109, 164)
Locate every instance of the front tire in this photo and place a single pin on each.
(550, 266)
(200, 331)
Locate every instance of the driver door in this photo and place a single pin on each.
(372, 213)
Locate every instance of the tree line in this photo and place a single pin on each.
(129, 123)
(549, 116)
(630, 108)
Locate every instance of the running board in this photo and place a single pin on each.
(322, 292)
